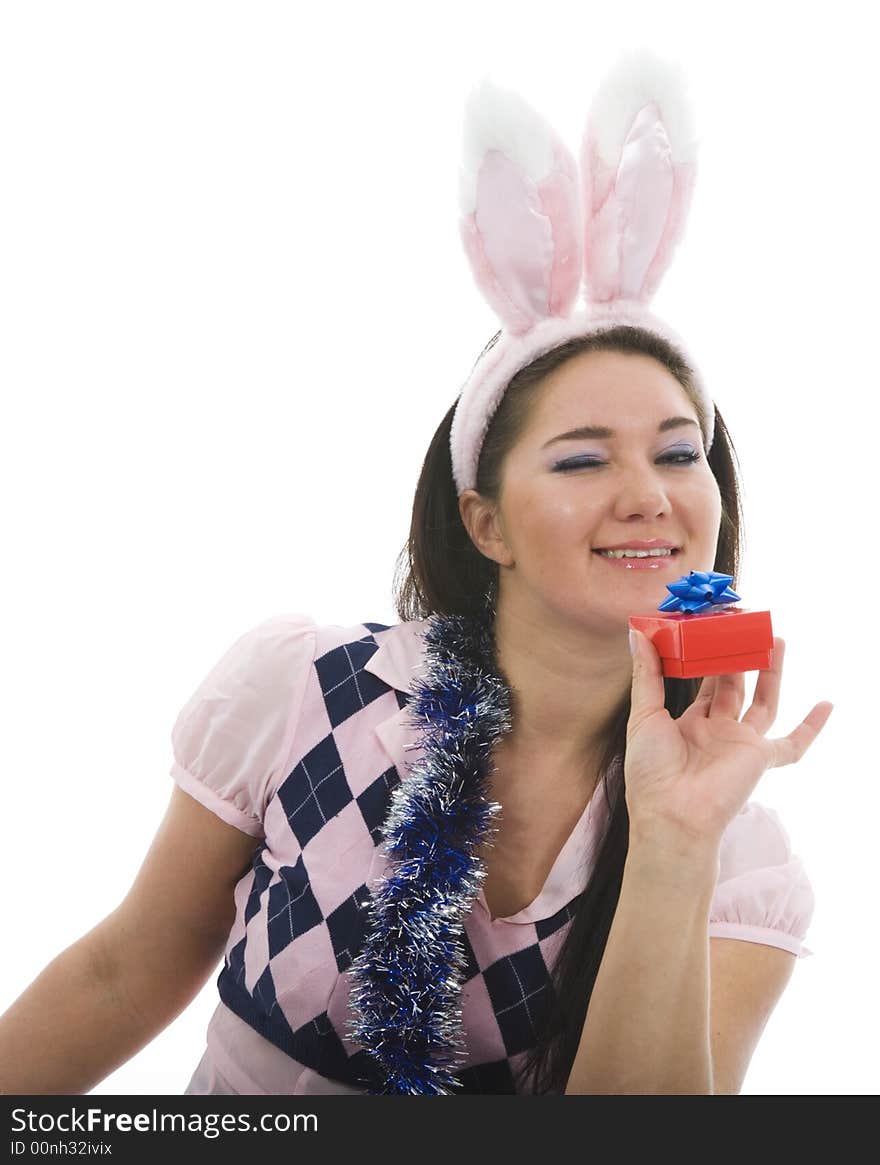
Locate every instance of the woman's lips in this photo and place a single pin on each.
(662, 562)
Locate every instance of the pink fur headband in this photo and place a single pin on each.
(533, 228)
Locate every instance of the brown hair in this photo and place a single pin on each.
(440, 571)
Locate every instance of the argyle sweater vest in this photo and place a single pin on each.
(305, 919)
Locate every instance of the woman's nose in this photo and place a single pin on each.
(642, 493)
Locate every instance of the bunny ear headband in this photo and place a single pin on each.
(531, 231)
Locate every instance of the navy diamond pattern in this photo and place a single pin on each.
(515, 985)
(315, 791)
(346, 687)
(292, 907)
(347, 925)
(375, 801)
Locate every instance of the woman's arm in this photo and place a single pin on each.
(70, 1028)
(114, 990)
(647, 1026)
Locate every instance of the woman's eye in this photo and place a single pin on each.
(577, 463)
(683, 457)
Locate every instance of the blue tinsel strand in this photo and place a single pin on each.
(406, 980)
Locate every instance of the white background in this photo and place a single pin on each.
(234, 308)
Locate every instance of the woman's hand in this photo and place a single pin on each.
(691, 776)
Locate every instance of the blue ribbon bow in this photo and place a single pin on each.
(699, 590)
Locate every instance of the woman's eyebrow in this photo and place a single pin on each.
(601, 431)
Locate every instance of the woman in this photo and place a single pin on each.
(391, 909)
(623, 883)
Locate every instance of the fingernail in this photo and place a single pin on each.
(632, 643)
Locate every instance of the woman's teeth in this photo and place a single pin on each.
(636, 553)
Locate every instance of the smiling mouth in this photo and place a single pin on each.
(647, 562)
(637, 557)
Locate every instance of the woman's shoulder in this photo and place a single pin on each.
(393, 652)
(293, 626)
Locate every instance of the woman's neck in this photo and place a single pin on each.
(565, 695)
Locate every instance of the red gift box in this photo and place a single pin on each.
(719, 641)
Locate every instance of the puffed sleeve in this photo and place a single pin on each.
(763, 894)
(232, 736)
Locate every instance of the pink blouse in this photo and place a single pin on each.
(241, 733)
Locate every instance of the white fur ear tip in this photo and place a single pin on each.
(488, 112)
(498, 118)
(637, 78)
(485, 91)
(644, 70)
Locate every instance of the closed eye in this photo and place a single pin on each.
(592, 462)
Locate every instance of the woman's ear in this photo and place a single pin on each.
(482, 521)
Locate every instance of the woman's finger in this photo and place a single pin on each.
(765, 702)
(789, 749)
(703, 701)
(648, 692)
(728, 696)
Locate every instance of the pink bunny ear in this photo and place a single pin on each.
(520, 209)
(638, 164)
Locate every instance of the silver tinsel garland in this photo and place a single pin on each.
(406, 980)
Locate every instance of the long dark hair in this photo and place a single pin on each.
(440, 571)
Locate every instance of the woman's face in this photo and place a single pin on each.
(564, 496)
